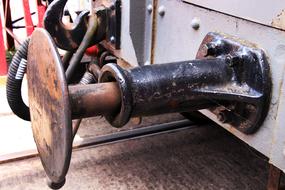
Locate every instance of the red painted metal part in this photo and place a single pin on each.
(41, 12)
(41, 8)
(3, 63)
(92, 51)
(8, 23)
(28, 17)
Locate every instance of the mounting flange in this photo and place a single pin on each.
(251, 75)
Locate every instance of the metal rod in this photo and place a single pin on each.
(75, 60)
(113, 138)
(21, 18)
(95, 70)
(8, 23)
(94, 100)
(19, 27)
(84, 81)
(76, 126)
(66, 59)
(13, 35)
(138, 133)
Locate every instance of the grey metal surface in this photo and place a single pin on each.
(137, 28)
(175, 39)
(277, 154)
(271, 13)
(141, 29)
(182, 42)
(127, 51)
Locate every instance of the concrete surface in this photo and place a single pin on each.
(16, 135)
(202, 158)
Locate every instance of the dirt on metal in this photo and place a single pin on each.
(49, 105)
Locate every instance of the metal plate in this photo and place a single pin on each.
(49, 105)
(185, 41)
(270, 13)
(253, 72)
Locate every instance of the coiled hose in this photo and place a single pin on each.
(14, 82)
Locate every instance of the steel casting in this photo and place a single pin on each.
(107, 16)
(233, 82)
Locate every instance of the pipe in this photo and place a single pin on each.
(94, 100)
(14, 82)
(165, 88)
(75, 60)
(87, 78)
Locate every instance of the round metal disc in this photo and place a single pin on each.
(49, 106)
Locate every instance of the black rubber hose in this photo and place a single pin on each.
(14, 82)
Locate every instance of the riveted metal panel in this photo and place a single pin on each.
(176, 40)
(271, 13)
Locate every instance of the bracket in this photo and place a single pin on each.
(251, 75)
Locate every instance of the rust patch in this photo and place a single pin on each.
(49, 105)
(279, 21)
(154, 29)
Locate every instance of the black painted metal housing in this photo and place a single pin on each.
(235, 84)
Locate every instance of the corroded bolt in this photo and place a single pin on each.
(224, 117)
(234, 60)
(229, 60)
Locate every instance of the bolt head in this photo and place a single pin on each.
(229, 61)
(161, 11)
(149, 8)
(112, 39)
(195, 23)
(222, 117)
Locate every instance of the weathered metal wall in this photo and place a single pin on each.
(169, 36)
(270, 13)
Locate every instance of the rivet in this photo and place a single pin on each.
(195, 23)
(149, 8)
(161, 11)
(112, 39)
(224, 117)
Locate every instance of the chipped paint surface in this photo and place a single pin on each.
(279, 21)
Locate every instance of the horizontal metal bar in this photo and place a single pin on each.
(94, 99)
(111, 138)
(21, 18)
(137, 133)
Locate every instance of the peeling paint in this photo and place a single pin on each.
(279, 21)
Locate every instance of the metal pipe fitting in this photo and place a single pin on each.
(234, 84)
